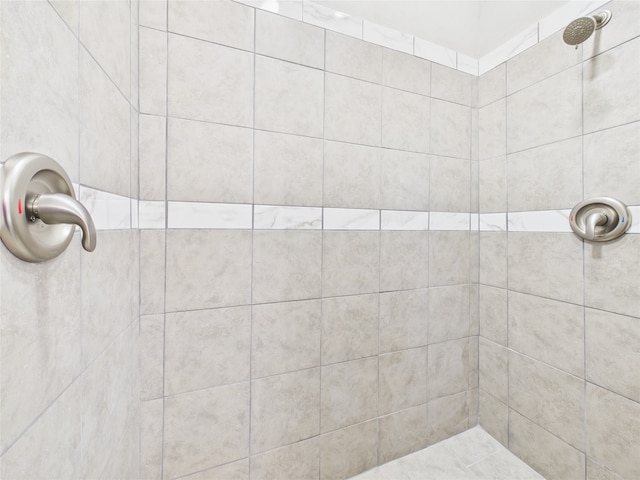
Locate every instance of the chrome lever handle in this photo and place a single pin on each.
(56, 208)
(593, 220)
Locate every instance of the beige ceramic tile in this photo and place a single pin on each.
(288, 97)
(609, 283)
(493, 416)
(349, 451)
(211, 82)
(353, 57)
(403, 381)
(448, 258)
(151, 439)
(152, 271)
(231, 471)
(403, 319)
(404, 260)
(533, 123)
(284, 409)
(492, 85)
(493, 259)
(349, 328)
(451, 133)
(611, 83)
(613, 424)
(448, 313)
(351, 176)
(546, 178)
(215, 431)
(492, 130)
(447, 368)
(402, 433)
(151, 356)
(286, 265)
(349, 393)
(404, 180)
(350, 263)
(190, 274)
(352, 110)
(549, 397)
(152, 66)
(449, 188)
(546, 264)
(299, 461)
(153, 13)
(287, 169)
(406, 72)
(405, 120)
(493, 366)
(226, 23)
(448, 416)
(547, 330)
(206, 348)
(291, 40)
(208, 162)
(152, 151)
(493, 314)
(612, 353)
(545, 452)
(492, 185)
(451, 84)
(285, 337)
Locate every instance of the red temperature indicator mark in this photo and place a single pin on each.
(20, 206)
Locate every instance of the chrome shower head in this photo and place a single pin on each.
(582, 28)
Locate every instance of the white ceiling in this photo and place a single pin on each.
(472, 27)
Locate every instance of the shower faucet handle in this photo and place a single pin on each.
(600, 219)
(39, 209)
(57, 208)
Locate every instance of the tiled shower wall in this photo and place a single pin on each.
(559, 327)
(300, 315)
(69, 327)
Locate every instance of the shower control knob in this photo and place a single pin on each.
(39, 209)
(600, 219)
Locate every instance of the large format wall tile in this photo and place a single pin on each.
(494, 377)
(349, 393)
(546, 264)
(447, 368)
(210, 82)
(404, 260)
(549, 397)
(352, 110)
(402, 433)
(403, 319)
(406, 72)
(404, 180)
(227, 23)
(613, 423)
(288, 97)
(543, 451)
(533, 122)
(450, 129)
(287, 39)
(611, 83)
(545, 178)
(450, 180)
(349, 451)
(287, 265)
(206, 348)
(39, 84)
(609, 283)
(285, 337)
(493, 314)
(448, 313)
(612, 352)
(350, 263)
(153, 71)
(447, 416)
(349, 328)
(220, 278)
(287, 169)
(403, 382)
(452, 85)
(208, 162)
(299, 461)
(284, 409)
(351, 176)
(612, 163)
(547, 330)
(448, 258)
(353, 57)
(216, 431)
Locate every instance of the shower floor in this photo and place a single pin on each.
(470, 455)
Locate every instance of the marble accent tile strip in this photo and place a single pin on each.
(542, 221)
(449, 221)
(404, 220)
(109, 211)
(493, 222)
(351, 219)
(209, 215)
(269, 217)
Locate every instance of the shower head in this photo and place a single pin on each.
(582, 28)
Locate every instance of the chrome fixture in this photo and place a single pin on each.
(600, 219)
(582, 28)
(39, 209)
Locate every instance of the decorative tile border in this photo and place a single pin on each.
(117, 212)
(321, 16)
